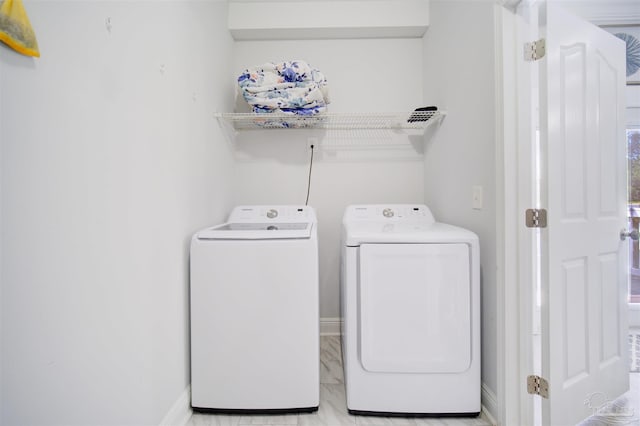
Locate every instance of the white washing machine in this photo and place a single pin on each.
(410, 301)
(255, 312)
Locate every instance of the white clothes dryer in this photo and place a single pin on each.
(255, 312)
(410, 301)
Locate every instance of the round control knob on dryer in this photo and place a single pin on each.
(272, 213)
(387, 213)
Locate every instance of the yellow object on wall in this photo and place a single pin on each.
(15, 28)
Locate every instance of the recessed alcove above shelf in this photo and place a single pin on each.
(321, 19)
(413, 122)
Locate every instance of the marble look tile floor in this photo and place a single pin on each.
(333, 406)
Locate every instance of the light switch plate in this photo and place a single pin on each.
(477, 197)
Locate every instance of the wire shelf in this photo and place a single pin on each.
(418, 120)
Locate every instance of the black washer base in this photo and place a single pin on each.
(255, 412)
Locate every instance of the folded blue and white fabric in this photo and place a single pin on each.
(287, 87)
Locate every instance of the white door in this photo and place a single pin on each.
(583, 186)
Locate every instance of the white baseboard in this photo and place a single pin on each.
(489, 404)
(330, 326)
(180, 412)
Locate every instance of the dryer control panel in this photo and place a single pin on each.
(395, 212)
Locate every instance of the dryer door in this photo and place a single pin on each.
(415, 308)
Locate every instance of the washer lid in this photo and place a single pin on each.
(257, 231)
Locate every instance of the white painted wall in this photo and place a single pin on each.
(604, 12)
(370, 75)
(459, 74)
(110, 160)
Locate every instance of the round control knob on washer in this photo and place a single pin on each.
(387, 213)
(272, 213)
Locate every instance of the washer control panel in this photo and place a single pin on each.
(257, 214)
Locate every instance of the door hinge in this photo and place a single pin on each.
(537, 385)
(535, 50)
(536, 218)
